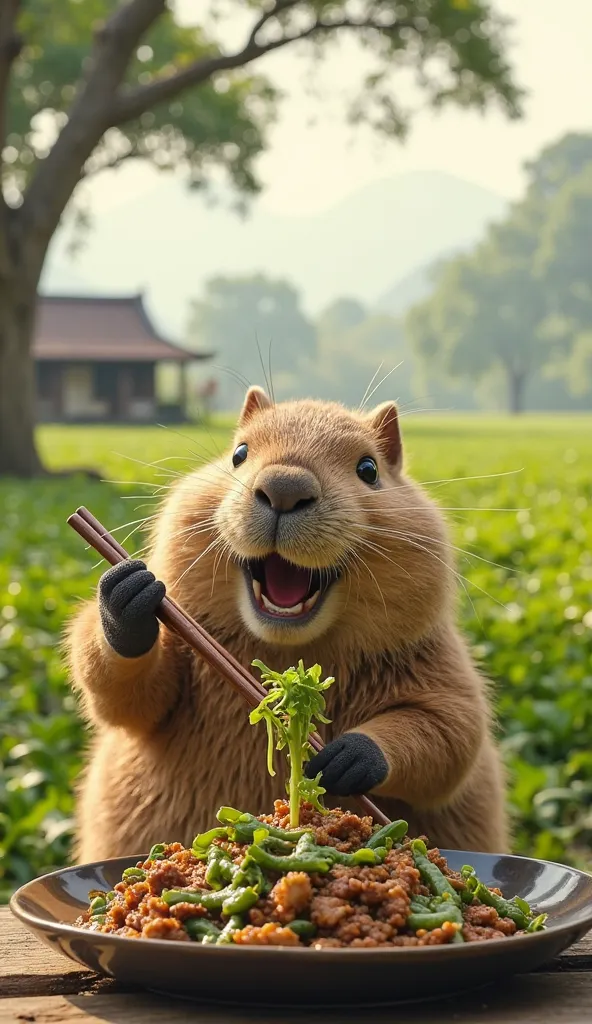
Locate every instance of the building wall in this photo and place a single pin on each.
(96, 392)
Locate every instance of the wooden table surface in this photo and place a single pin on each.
(40, 987)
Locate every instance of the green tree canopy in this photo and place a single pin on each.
(485, 312)
(564, 268)
(221, 123)
(88, 85)
(559, 163)
(339, 316)
(521, 301)
(356, 349)
(255, 326)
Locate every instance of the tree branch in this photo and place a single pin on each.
(111, 165)
(135, 102)
(89, 117)
(278, 7)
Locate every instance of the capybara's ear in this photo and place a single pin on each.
(384, 421)
(256, 400)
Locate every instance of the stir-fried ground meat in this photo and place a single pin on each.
(291, 895)
(270, 934)
(361, 906)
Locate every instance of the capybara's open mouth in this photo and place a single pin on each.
(282, 590)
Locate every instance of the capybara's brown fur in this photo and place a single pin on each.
(171, 740)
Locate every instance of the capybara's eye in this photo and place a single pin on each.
(240, 455)
(367, 470)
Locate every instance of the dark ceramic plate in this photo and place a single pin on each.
(281, 976)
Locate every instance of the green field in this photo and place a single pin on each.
(529, 617)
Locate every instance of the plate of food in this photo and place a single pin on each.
(307, 905)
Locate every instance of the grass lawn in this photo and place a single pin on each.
(530, 621)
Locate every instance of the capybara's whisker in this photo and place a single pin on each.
(402, 535)
(464, 479)
(380, 383)
(373, 378)
(148, 465)
(383, 554)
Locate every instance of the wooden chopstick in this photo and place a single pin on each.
(175, 618)
(172, 616)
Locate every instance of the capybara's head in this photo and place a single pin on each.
(310, 527)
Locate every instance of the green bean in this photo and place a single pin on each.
(537, 924)
(305, 844)
(469, 877)
(157, 852)
(364, 855)
(173, 896)
(98, 905)
(98, 919)
(215, 900)
(245, 824)
(419, 904)
(305, 929)
(234, 924)
(394, 831)
(284, 864)
(112, 895)
(505, 908)
(197, 897)
(250, 874)
(306, 847)
(199, 928)
(220, 868)
(429, 921)
(240, 900)
(422, 901)
(516, 909)
(136, 873)
(204, 840)
(431, 874)
(275, 845)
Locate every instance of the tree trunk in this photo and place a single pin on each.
(18, 454)
(516, 385)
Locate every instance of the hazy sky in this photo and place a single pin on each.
(310, 166)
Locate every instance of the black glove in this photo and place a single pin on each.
(351, 764)
(128, 598)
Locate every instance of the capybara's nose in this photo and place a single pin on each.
(286, 488)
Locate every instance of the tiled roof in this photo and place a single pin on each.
(101, 329)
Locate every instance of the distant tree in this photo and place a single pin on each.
(565, 271)
(521, 301)
(339, 316)
(559, 163)
(354, 346)
(486, 312)
(251, 320)
(88, 85)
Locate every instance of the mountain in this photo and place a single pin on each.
(169, 241)
(412, 288)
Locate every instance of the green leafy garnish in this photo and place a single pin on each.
(291, 709)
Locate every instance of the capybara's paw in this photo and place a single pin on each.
(349, 765)
(129, 595)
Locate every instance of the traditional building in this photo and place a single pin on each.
(96, 360)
